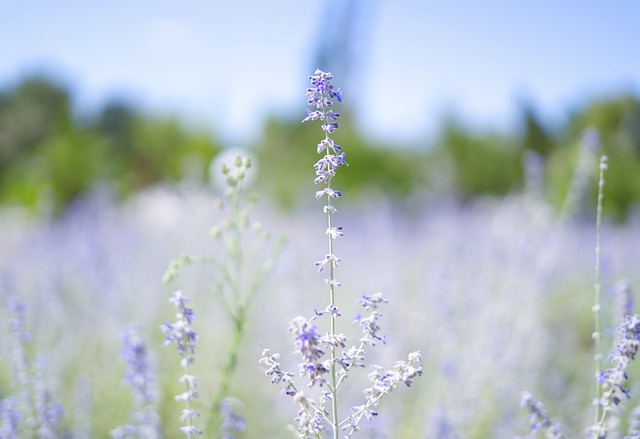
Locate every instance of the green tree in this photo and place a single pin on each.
(617, 120)
(534, 135)
(483, 164)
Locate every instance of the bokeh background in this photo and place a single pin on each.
(438, 96)
(472, 132)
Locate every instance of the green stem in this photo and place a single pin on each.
(334, 399)
(189, 419)
(228, 371)
(599, 417)
(234, 306)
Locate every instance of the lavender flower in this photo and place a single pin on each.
(307, 342)
(614, 379)
(231, 422)
(320, 362)
(633, 431)
(354, 356)
(139, 376)
(321, 96)
(49, 412)
(624, 298)
(35, 405)
(369, 324)
(538, 418)
(20, 337)
(383, 383)
(181, 332)
(311, 416)
(9, 418)
(329, 259)
(134, 353)
(272, 362)
(184, 337)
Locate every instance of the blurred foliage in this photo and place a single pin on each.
(49, 155)
(618, 122)
(482, 163)
(287, 149)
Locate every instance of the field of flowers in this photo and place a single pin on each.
(496, 295)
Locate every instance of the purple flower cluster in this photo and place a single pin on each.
(19, 338)
(369, 324)
(329, 259)
(231, 421)
(181, 333)
(354, 356)
(272, 363)
(384, 382)
(311, 416)
(614, 379)
(185, 339)
(308, 347)
(402, 372)
(9, 418)
(633, 430)
(139, 376)
(321, 96)
(538, 418)
(613, 383)
(34, 407)
(138, 372)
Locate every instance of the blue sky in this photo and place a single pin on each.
(225, 65)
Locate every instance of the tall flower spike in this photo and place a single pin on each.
(320, 364)
(139, 376)
(321, 96)
(184, 337)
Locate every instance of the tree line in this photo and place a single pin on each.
(50, 155)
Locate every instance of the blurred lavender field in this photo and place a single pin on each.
(470, 204)
(496, 295)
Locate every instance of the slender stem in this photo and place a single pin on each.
(189, 389)
(599, 418)
(325, 169)
(233, 303)
(334, 399)
(228, 370)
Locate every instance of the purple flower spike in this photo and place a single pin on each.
(184, 337)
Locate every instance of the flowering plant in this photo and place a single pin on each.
(325, 358)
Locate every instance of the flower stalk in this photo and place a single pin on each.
(596, 286)
(321, 96)
(184, 337)
(325, 358)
